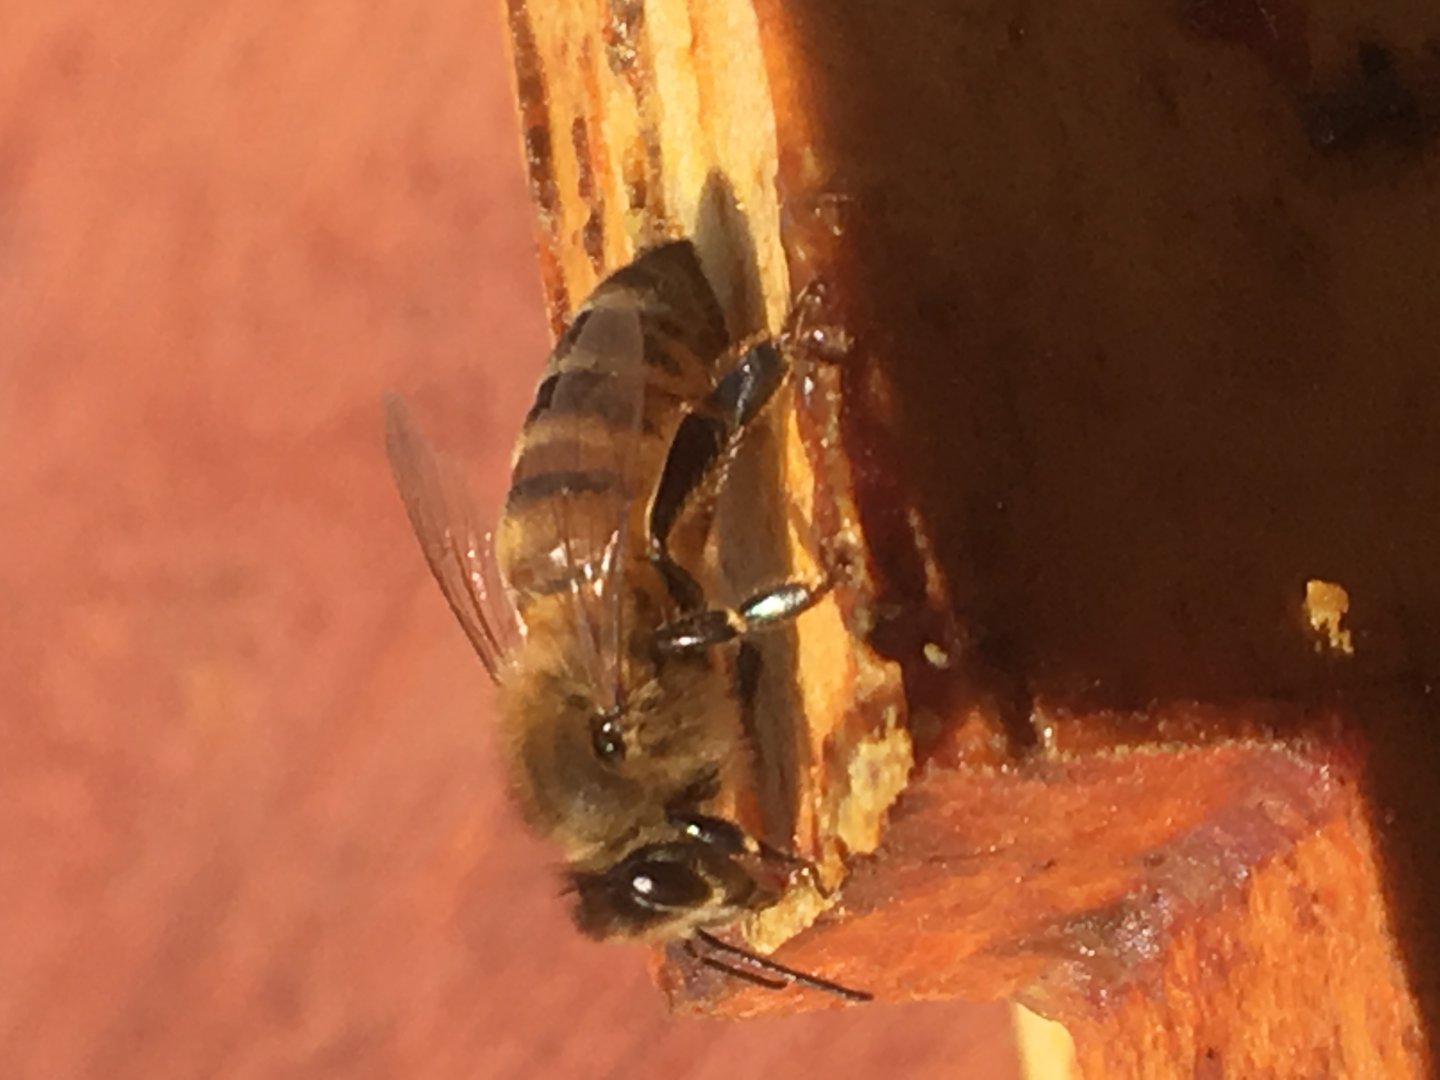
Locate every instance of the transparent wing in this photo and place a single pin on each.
(603, 377)
(457, 549)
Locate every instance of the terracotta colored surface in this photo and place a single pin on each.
(250, 824)
(1209, 911)
(1151, 301)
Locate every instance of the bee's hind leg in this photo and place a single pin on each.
(708, 435)
(696, 465)
(700, 451)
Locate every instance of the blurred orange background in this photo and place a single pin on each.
(250, 819)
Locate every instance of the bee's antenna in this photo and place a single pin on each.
(732, 970)
(764, 963)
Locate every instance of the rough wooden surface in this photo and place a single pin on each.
(651, 120)
(251, 822)
(1145, 321)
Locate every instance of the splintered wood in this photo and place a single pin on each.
(649, 121)
(1113, 426)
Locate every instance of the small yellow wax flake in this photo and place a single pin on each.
(1326, 605)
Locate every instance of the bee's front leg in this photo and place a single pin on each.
(812, 328)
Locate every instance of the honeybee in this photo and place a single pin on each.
(616, 693)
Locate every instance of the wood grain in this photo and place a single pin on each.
(1145, 359)
(253, 825)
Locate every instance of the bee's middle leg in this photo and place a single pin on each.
(716, 626)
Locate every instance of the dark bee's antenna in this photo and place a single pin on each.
(730, 969)
(788, 975)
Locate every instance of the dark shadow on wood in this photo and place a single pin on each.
(1157, 360)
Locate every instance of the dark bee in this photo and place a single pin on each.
(619, 708)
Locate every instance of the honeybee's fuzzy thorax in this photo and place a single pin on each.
(592, 777)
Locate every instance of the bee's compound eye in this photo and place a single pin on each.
(667, 886)
(607, 738)
(713, 832)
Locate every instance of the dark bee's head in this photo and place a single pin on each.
(672, 890)
(666, 890)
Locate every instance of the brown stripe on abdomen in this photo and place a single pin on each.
(547, 598)
(588, 393)
(557, 532)
(563, 483)
(582, 443)
(670, 283)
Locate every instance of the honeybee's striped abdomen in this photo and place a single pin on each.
(596, 439)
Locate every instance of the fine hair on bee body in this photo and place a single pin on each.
(615, 683)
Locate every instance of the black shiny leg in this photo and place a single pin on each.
(717, 626)
(709, 434)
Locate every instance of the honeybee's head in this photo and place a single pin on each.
(667, 890)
